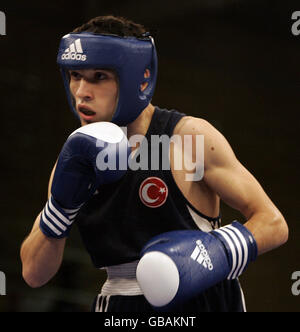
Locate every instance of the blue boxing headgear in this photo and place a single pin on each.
(129, 57)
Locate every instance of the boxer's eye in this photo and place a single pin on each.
(99, 76)
(75, 75)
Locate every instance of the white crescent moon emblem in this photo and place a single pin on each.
(145, 193)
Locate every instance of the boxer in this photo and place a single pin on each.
(157, 235)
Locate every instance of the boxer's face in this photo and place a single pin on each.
(95, 92)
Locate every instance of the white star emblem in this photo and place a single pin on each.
(162, 190)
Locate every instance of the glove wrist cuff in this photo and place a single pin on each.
(240, 246)
(56, 221)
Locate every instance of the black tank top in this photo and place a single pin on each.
(118, 221)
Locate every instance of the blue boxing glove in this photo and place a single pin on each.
(94, 154)
(179, 265)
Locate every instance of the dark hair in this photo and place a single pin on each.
(112, 25)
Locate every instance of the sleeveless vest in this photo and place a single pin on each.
(118, 221)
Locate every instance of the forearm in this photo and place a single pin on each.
(269, 230)
(41, 257)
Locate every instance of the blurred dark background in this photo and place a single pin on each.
(233, 62)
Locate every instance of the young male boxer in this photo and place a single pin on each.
(157, 234)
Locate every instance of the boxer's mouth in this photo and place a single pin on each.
(86, 111)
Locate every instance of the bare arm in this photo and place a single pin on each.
(41, 256)
(238, 188)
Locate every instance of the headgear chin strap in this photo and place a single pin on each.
(129, 57)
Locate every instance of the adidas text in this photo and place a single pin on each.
(200, 255)
(74, 56)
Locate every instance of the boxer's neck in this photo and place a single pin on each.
(140, 125)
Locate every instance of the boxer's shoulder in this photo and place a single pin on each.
(213, 139)
(190, 125)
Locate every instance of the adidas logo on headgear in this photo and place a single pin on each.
(74, 52)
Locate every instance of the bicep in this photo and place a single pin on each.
(226, 176)
(238, 188)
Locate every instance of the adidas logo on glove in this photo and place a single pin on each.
(74, 52)
(201, 256)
